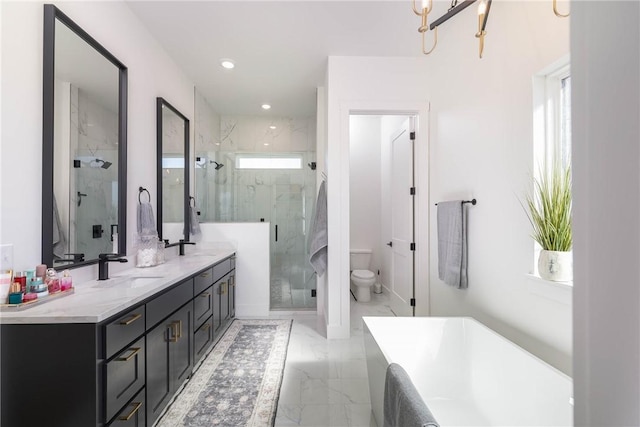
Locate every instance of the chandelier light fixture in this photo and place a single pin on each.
(555, 10)
(427, 6)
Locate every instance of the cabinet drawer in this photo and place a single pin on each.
(203, 307)
(203, 280)
(165, 304)
(221, 268)
(123, 330)
(125, 376)
(202, 340)
(133, 414)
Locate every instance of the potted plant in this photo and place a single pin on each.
(549, 211)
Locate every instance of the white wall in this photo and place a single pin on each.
(364, 182)
(151, 73)
(606, 165)
(358, 84)
(481, 146)
(251, 241)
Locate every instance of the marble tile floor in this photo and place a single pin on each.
(325, 381)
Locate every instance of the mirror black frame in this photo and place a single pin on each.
(161, 102)
(51, 13)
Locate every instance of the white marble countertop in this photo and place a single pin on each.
(94, 301)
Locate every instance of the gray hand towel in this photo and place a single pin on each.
(146, 223)
(318, 235)
(403, 406)
(452, 244)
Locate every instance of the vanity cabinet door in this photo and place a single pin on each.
(159, 391)
(169, 359)
(232, 295)
(181, 355)
(224, 300)
(216, 306)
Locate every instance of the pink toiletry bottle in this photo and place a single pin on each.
(66, 283)
(52, 281)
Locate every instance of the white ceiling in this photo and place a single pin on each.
(280, 47)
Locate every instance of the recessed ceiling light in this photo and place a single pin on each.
(272, 127)
(227, 63)
(266, 106)
(266, 143)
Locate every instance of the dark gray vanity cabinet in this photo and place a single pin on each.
(169, 359)
(121, 372)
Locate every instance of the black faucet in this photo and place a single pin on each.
(103, 266)
(180, 243)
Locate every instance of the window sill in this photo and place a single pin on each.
(561, 292)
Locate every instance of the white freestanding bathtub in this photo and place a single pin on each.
(466, 373)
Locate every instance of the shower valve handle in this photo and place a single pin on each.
(390, 244)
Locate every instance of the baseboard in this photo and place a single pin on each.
(252, 310)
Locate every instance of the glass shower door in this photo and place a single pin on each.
(292, 278)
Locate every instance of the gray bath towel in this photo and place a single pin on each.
(59, 235)
(194, 224)
(146, 221)
(452, 243)
(318, 235)
(403, 406)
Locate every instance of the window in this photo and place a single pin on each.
(552, 116)
(551, 124)
(257, 161)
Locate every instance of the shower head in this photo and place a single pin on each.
(218, 165)
(105, 164)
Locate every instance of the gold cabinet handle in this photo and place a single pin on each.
(205, 295)
(172, 331)
(206, 274)
(136, 406)
(179, 326)
(133, 351)
(132, 319)
(206, 326)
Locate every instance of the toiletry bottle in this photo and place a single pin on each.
(66, 283)
(20, 277)
(52, 281)
(114, 249)
(41, 270)
(15, 293)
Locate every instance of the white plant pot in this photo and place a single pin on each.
(556, 266)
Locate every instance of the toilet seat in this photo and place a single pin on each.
(363, 274)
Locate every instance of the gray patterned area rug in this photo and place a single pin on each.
(238, 383)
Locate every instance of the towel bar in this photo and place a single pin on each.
(472, 201)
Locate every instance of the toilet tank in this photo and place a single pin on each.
(360, 259)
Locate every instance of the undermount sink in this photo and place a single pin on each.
(128, 282)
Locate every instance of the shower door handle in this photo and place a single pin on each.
(276, 232)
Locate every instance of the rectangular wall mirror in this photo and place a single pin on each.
(84, 162)
(173, 175)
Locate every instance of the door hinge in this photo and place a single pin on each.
(412, 246)
(412, 136)
(412, 191)
(413, 302)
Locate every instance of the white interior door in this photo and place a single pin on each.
(402, 222)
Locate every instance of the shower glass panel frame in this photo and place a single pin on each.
(283, 197)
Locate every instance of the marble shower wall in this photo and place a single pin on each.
(94, 135)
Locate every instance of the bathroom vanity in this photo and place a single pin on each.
(115, 352)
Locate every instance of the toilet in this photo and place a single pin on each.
(362, 279)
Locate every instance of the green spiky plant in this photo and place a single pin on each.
(549, 210)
